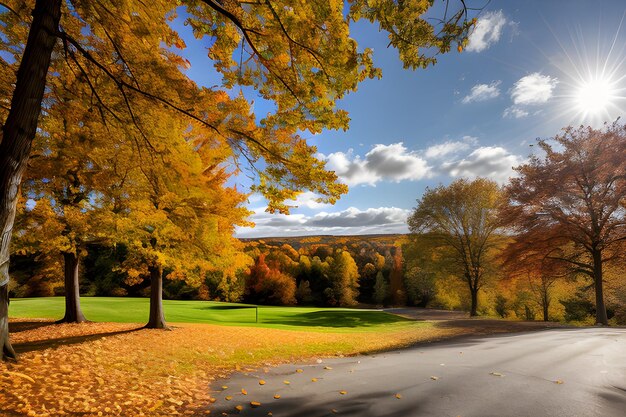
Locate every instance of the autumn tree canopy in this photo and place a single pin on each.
(572, 199)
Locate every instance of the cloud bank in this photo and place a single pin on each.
(392, 162)
(493, 162)
(351, 221)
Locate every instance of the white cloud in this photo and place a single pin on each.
(447, 148)
(534, 88)
(307, 199)
(487, 31)
(515, 111)
(392, 162)
(491, 162)
(482, 92)
(346, 222)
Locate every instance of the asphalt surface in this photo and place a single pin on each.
(558, 372)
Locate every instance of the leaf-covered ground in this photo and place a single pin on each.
(109, 369)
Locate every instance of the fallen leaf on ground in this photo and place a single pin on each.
(261, 382)
(286, 382)
(244, 392)
(20, 375)
(434, 378)
(496, 374)
(277, 396)
(558, 381)
(328, 368)
(228, 398)
(343, 392)
(299, 371)
(156, 405)
(398, 396)
(313, 379)
(255, 404)
(239, 407)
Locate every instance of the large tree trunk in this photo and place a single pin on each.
(18, 133)
(7, 349)
(157, 318)
(73, 313)
(601, 317)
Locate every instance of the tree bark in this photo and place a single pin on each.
(157, 317)
(7, 350)
(18, 133)
(73, 313)
(546, 306)
(474, 307)
(601, 317)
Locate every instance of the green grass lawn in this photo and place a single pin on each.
(135, 310)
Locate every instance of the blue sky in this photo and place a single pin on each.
(531, 68)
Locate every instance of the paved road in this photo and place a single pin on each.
(560, 372)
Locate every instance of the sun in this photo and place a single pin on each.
(595, 97)
(592, 80)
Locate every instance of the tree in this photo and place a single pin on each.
(18, 132)
(423, 267)
(396, 278)
(530, 263)
(179, 216)
(344, 276)
(380, 289)
(300, 57)
(463, 217)
(367, 281)
(69, 175)
(573, 201)
(269, 285)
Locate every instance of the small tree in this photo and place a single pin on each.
(344, 275)
(380, 289)
(501, 306)
(266, 285)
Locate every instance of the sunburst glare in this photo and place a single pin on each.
(592, 87)
(596, 97)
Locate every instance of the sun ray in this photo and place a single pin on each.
(592, 87)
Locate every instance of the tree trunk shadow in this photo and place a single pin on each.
(22, 326)
(65, 341)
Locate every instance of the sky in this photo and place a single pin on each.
(530, 69)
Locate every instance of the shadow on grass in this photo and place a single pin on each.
(64, 341)
(336, 319)
(22, 326)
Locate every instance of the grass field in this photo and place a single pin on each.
(135, 310)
